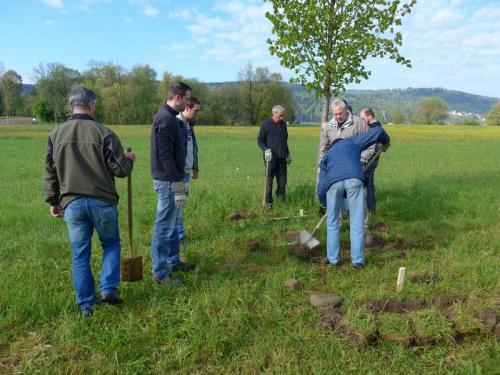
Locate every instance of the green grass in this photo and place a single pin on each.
(437, 190)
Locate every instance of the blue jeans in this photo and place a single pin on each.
(371, 202)
(356, 203)
(165, 239)
(83, 215)
(180, 225)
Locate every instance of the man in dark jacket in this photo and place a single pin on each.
(273, 140)
(341, 172)
(168, 159)
(82, 159)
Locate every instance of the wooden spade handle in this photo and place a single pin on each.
(129, 205)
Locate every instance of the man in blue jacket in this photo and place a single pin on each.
(341, 172)
(168, 160)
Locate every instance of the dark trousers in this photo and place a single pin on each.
(277, 168)
(371, 201)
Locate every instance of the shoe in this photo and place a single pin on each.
(183, 267)
(168, 280)
(358, 265)
(110, 299)
(86, 311)
(332, 265)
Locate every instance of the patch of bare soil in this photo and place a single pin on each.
(391, 306)
(239, 215)
(397, 244)
(424, 278)
(290, 235)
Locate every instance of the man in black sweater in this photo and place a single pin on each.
(168, 159)
(273, 140)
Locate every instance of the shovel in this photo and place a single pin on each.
(131, 267)
(266, 180)
(307, 239)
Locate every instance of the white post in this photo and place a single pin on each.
(401, 279)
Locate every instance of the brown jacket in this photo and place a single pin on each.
(83, 157)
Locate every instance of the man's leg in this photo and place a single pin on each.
(281, 178)
(104, 217)
(334, 198)
(80, 237)
(180, 225)
(269, 184)
(370, 189)
(356, 201)
(165, 239)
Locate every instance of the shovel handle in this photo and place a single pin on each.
(129, 206)
(265, 185)
(318, 225)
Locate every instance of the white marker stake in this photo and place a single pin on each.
(301, 212)
(401, 279)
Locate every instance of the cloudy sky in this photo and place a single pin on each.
(453, 44)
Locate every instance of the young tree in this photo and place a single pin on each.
(253, 91)
(493, 117)
(431, 110)
(11, 85)
(326, 42)
(398, 117)
(141, 95)
(53, 84)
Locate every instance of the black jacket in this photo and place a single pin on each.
(168, 155)
(274, 137)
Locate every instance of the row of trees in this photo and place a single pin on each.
(133, 97)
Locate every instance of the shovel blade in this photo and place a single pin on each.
(305, 238)
(132, 269)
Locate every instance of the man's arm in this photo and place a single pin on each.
(261, 138)
(51, 190)
(119, 162)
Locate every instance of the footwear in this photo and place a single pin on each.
(333, 265)
(168, 280)
(183, 267)
(110, 299)
(358, 265)
(86, 311)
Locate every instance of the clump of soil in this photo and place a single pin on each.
(391, 306)
(424, 278)
(378, 242)
(239, 215)
(403, 254)
(398, 244)
(382, 227)
(256, 246)
(293, 284)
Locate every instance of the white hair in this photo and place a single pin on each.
(278, 108)
(338, 103)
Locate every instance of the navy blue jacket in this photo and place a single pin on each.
(168, 155)
(342, 160)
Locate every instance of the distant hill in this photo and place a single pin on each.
(308, 107)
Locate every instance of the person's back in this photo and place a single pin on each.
(84, 153)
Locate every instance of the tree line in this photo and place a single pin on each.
(134, 96)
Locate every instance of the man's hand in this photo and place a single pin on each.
(288, 159)
(194, 175)
(179, 190)
(268, 155)
(56, 211)
(129, 154)
(385, 147)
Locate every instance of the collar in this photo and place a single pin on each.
(81, 116)
(278, 124)
(171, 110)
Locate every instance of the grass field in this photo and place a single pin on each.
(438, 215)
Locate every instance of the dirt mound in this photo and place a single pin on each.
(382, 227)
(424, 278)
(256, 246)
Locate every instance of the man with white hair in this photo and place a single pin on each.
(273, 141)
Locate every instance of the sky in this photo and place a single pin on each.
(453, 44)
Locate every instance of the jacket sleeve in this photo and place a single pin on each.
(51, 190)
(371, 137)
(261, 138)
(321, 190)
(324, 144)
(195, 151)
(286, 134)
(118, 163)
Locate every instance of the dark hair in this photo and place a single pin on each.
(347, 106)
(368, 111)
(192, 102)
(80, 96)
(178, 88)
